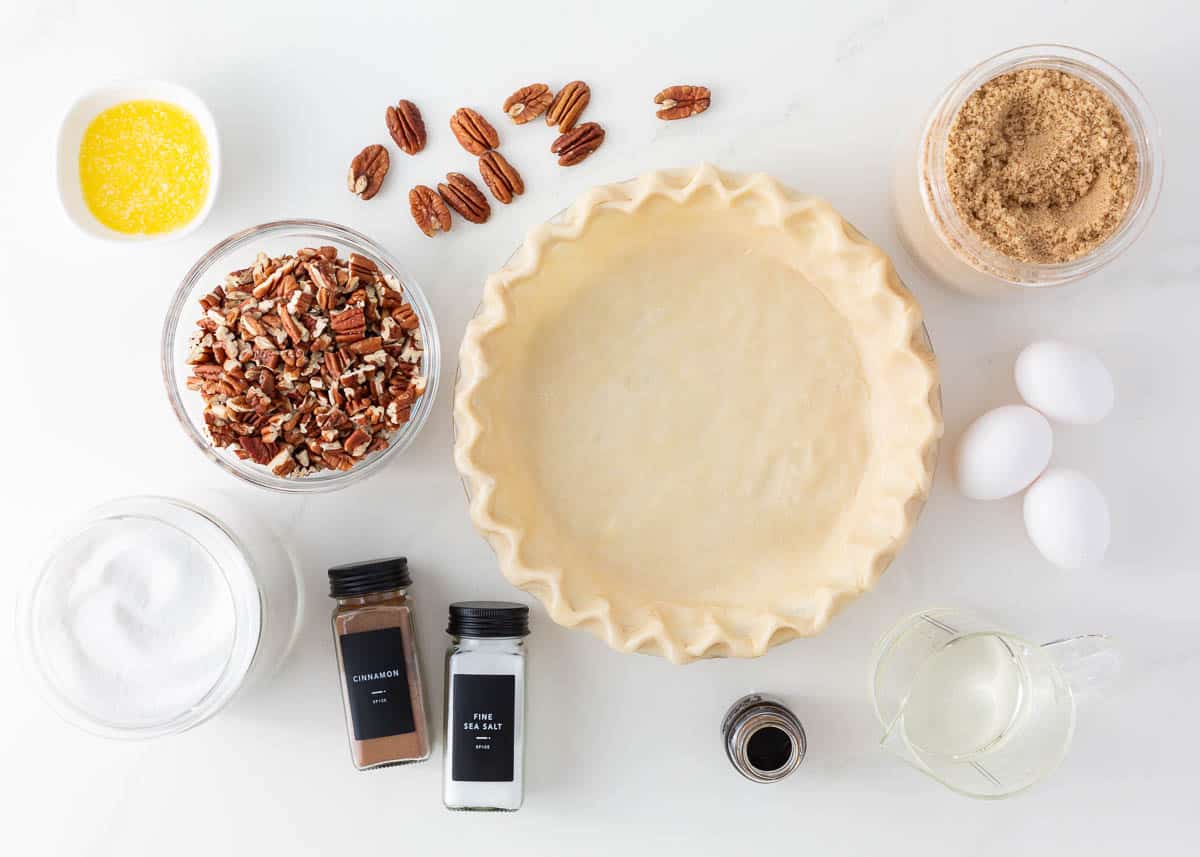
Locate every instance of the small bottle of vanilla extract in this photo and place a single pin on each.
(485, 706)
(763, 739)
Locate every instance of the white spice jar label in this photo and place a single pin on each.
(483, 707)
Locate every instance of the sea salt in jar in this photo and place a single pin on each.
(485, 706)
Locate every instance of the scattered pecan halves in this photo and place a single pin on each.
(406, 126)
(367, 171)
(428, 210)
(680, 102)
(500, 176)
(474, 132)
(528, 103)
(576, 145)
(461, 194)
(568, 104)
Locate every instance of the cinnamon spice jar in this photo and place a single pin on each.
(377, 663)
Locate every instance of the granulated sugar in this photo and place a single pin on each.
(135, 622)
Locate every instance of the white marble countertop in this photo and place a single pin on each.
(624, 755)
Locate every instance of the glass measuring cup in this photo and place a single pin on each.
(981, 710)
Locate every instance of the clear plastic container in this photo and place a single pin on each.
(150, 614)
(238, 251)
(931, 228)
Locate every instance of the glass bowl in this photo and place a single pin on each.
(80, 638)
(239, 250)
(930, 226)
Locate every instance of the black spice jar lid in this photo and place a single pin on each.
(365, 578)
(488, 619)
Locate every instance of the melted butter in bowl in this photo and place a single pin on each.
(143, 167)
(138, 161)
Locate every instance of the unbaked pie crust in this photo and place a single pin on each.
(696, 414)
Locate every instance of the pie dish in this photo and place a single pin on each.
(697, 414)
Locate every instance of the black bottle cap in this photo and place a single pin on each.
(364, 578)
(488, 619)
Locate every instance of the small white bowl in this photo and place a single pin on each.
(90, 105)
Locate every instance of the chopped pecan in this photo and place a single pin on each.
(568, 104)
(283, 463)
(500, 176)
(337, 460)
(576, 145)
(260, 452)
(294, 332)
(460, 193)
(528, 103)
(350, 318)
(680, 102)
(321, 276)
(291, 381)
(367, 171)
(406, 126)
(367, 346)
(356, 444)
(207, 370)
(299, 301)
(362, 267)
(398, 413)
(428, 210)
(473, 132)
(405, 317)
(267, 358)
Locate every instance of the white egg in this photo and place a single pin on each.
(1002, 452)
(1066, 383)
(1066, 517)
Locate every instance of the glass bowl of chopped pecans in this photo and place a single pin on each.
(298, 357)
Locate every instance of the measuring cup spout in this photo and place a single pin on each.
(1090, 663)
(893, 741)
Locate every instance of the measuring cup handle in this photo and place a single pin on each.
(1090, 663)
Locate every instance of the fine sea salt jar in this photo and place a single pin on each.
(485, 706)
(377, 663)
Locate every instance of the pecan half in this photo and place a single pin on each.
(460, 193)
(680, 102)
(528, 103)
(474, 132)
(367, 171)
(566, 107)
(501, 177)
(428, 210)
(406, 126)
(573, 146)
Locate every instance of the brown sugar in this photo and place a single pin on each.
(1041, 165)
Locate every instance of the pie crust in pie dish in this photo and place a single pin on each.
(696, 414)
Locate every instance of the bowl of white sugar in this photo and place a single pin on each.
(148, 616)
